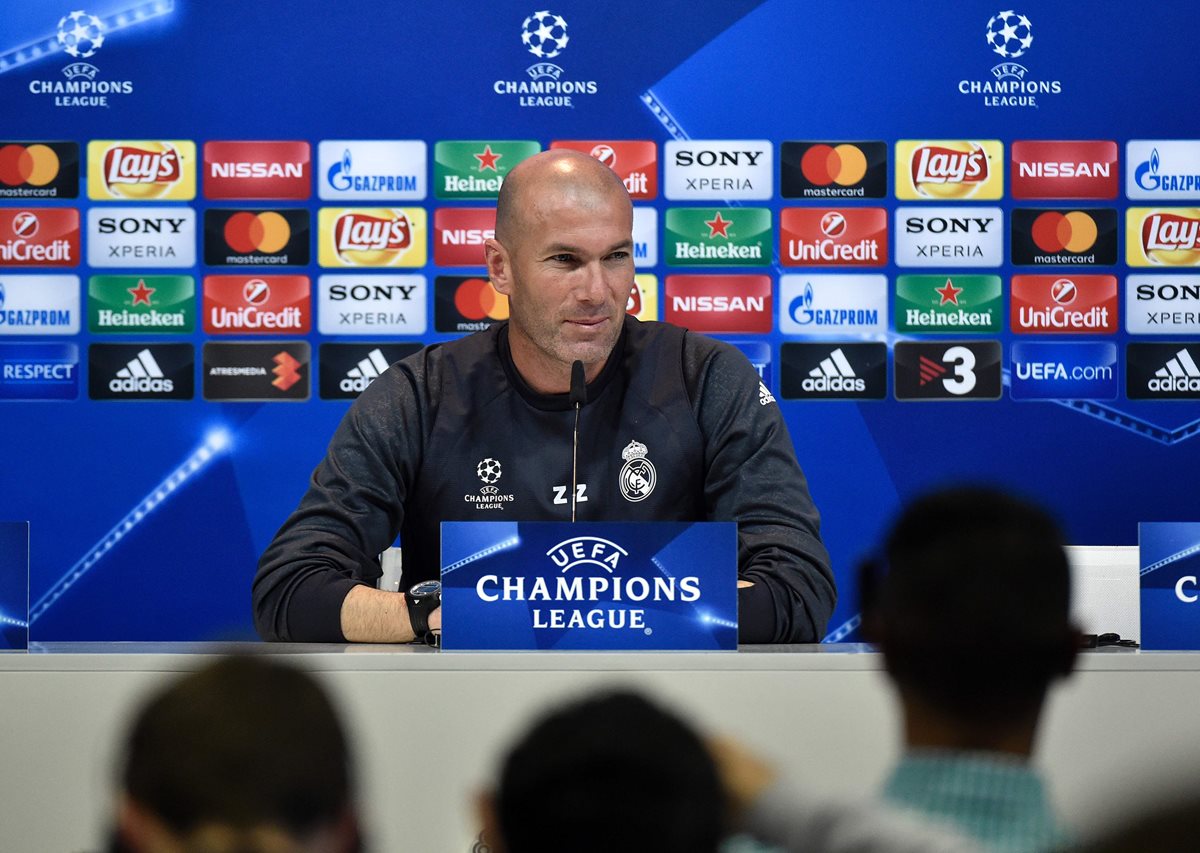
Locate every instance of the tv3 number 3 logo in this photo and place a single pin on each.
(963, 379)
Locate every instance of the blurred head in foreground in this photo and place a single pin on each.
(970, 604)
(611, 772)
(244, 756)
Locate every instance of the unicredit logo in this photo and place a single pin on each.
(1063, 291)
(1080, 303)
(41, 237)
(843, 237)
(260, 304)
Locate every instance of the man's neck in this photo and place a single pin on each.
(925, 728)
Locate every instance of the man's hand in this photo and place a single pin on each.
(375, 616)
(743, 774)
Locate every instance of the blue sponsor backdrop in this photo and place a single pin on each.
(147, 517)
(630, 586)
(1170, 571)
(14, 584)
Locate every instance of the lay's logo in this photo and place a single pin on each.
(141, 170)
(1163, 237)
(939, 170)
(372, 237)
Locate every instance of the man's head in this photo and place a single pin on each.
(970, 604)
(614, 772)
(563, 254)
(244, 756)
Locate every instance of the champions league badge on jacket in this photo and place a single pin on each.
(637, 474)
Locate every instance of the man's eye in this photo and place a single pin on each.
(619, 255)
(562, 259)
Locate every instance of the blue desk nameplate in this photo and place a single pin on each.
(1169, 557)
(663, 586)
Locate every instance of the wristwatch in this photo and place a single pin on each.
(424, 598)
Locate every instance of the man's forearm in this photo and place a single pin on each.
(375, 616)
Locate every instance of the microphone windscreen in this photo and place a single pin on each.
(578, 384)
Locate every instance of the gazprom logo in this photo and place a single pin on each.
(586, 550)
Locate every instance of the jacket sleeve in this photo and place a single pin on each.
(352, 511)
(752, 476)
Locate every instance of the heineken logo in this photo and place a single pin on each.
(145, 304)
(476, 169)
(732, 236)
(945, 303)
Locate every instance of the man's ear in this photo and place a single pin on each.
(499, 265)
(486, 814)
(139, 829)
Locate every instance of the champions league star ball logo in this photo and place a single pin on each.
(1009, 34)
(488, 471)
(637, 477)
(80, 34)
(544, 34)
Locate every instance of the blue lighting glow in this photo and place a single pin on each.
(8, 620)
(48, 46)
(215, 443)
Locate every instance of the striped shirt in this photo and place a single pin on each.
(998, 800)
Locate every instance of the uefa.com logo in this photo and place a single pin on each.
(544, 34)
(1009, 35)
(80, 35)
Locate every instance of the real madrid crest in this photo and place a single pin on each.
(637, 474)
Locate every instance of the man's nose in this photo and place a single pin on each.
(592, 288)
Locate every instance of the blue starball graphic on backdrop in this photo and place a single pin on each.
(545, 34)
(1009, 34)
(81, 34)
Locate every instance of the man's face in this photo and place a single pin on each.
(568, 277)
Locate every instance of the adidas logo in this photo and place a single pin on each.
(764, 394)
(140, 375)
(834, 373)
(1178, 374)
(365, 372)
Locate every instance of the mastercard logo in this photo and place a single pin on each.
(844, 165)
(33, 165)
(267, 232)
(476, 299)
(1073, 232)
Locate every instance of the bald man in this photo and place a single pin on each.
(409, 453)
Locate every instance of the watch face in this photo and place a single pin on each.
(425, 589)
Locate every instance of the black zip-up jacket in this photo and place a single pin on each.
(452, 432)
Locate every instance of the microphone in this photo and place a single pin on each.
(577, 398)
